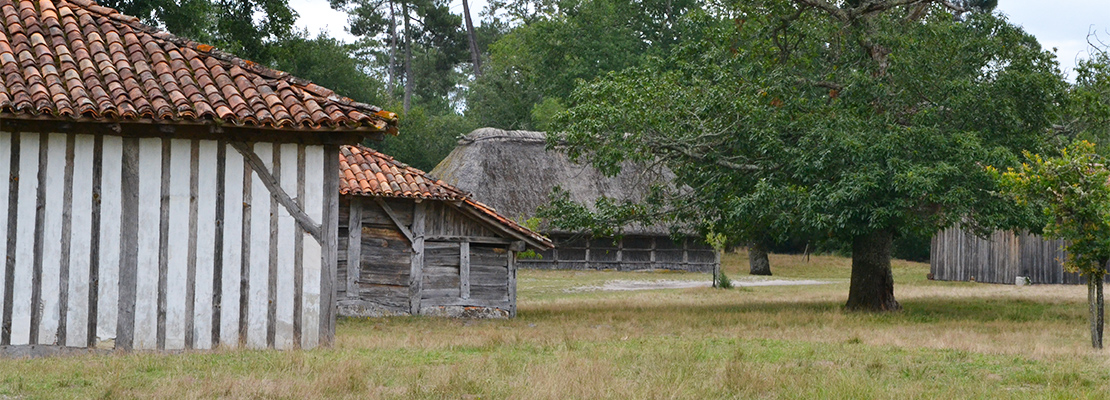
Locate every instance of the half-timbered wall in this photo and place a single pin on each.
(164, 243)
(421, 258)
(629, 253)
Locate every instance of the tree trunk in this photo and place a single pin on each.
(757, 259)
(475, 58)
(407, 102)
(392, 50)
(1095, 304)
(872, 287)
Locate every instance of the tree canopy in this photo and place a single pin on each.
(861, 122)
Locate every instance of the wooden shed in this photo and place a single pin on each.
(959, 255)
(513, 172)
(421, 246)
(162, 194)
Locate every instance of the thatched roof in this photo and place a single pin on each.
(514, 173)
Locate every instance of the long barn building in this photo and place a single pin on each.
(162, 194)
(513, 172)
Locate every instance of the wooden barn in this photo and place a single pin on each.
(162, 194)
(514, 173)
(421, 246)
(959, 255)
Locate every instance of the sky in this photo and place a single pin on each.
(1063, 24)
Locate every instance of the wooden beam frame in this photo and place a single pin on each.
(267, 178)
(397, 220)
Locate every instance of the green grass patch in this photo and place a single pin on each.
(956, 340)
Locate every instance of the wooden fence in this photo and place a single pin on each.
(958, 255)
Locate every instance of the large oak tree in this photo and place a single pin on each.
(860, 120)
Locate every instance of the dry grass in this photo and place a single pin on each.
(959, 340)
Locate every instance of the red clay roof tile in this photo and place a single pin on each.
(74, 58)
(366, 172)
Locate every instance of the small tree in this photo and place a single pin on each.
(1072, 192)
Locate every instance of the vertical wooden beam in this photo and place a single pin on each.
(330, 245)
(37, 239)
(128, 244)
(298, 256)
(620, 254)
(96, 257)
(464, 270)
(354, 246)
(416, 274)
(66, 238)
(11, 232)
(274, 259)
(512, 284)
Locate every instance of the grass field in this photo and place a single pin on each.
(953, 340)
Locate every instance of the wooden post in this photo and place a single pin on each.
(416, 279)
(354, 247)
(512, 284)
(331, 245)
(464, 270)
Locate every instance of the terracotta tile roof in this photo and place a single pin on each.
(366, 172)
(78, 60)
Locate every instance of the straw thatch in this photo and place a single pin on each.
(513, 172)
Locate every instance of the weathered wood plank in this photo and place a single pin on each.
(80, 250)
(384, 278)
(148, 243)
(397, 221)
(259, 263)
(312, 254)
(286, 246)
(128, 246)
(231, 264)
(206, 197)
(354, 245)
(464, 270)
(177, 252)
(330, 246)
(298, 257)
(512, 285)
(417, 234)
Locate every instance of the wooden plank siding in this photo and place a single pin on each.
(156, 243)
(453, 265)
(958, 255)
(628, 253)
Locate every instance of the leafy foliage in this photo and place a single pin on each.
(1071, 192)
(247, 28)
(800, 116)
(558, 44)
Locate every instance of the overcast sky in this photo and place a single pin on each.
(1062, 24)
